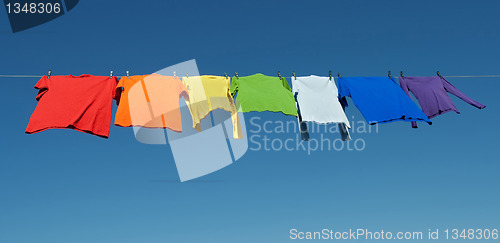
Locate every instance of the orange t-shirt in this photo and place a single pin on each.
(150, 101)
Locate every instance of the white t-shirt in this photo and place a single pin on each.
(318, 100)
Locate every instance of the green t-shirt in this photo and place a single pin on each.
(259, 92)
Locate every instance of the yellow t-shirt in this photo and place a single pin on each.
(207, 93)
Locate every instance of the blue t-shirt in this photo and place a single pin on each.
(380, 99)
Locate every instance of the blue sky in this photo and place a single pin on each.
(66, 186)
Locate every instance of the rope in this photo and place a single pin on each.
(464, 76)
(19, 76)
(34, 76)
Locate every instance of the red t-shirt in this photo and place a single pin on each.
(82, 103)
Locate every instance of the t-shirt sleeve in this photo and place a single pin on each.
(186, 83)
(343, 92)
(285, 84)
(118, 90)
(115, 86)
(295, 85)
(233, 88)
(182, 90)
(42, 86)
(228, 85)
(451, 89)
(404, 86)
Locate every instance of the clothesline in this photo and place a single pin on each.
(458, 76)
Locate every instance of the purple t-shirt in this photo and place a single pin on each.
(431, 95)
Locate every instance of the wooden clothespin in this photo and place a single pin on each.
(401, 74)
(330, 74)
(225, 75)
(279, 75)
(236, 74)
(340, 76)
(293, 74)
(111, 74)
(50, 73)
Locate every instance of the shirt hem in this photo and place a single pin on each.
(443, 111)
(328, 122)
(287, 114)
(68, 127)
(153, 127)
(403, 118)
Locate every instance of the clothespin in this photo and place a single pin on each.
(401, 74)
(439, 74)
(225, 75)
(340, 76)
(330, 74)
(111, 74)
(174, 74)
(128, 76)
(293, 74)
(237, 75)
(187, 76)
(279, 75)
(50, 73)
(389, 74)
